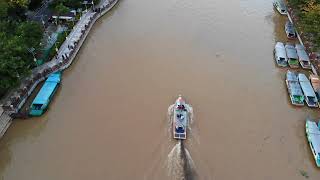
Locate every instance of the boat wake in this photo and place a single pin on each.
(180, 165)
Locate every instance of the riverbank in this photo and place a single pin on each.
(306, 40)
(60, 62)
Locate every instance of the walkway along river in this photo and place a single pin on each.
(65, 56)
(109, 118)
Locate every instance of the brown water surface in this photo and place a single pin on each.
(109, 117)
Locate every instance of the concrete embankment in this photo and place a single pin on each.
(293, 20)
(63, 59)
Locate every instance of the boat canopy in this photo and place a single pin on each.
(302, 54)
(46, 91)
(314, 136)
(291, 52)
(289, 27)
(281, 4)
(280, 50)
(294, 84)
(306, 86)
(315, 81)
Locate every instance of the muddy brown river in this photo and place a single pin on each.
(109, 119)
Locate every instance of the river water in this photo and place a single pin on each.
(109, 118)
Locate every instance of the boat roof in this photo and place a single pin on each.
(54, 77)
(293, 82)
(306, 86)
(291, 51)
(281, 4)
(280, 50)
(302, 52)
(315, 81)
(289, 27)
(291, 76)
(47, 89)
(314, 135)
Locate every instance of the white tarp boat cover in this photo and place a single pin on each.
(306, 86)
(293, 83)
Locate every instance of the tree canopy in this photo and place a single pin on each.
(309, 18)
(17, 37)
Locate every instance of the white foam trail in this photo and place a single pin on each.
(175, 163)
(180, 165)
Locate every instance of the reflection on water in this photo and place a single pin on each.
(108, 121)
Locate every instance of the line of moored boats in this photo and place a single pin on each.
(301, 89)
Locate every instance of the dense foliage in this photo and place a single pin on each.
(18, 38)
(308, 12)
(63, 6)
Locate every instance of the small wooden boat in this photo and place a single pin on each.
(294, 89)
(180, 119)
(313, 137)
(303, 57)
(280, 6)
(290, 31)
(280, 54)
(292, 56)
(315, 82)
(45, 95)
(309, 95)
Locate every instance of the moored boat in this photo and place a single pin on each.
(280, 6)
(292, 56)
(280, 54)
(180, 119)
(45, 95)
(315, 82)
(313, 137)
(290, 31)
(309, 95)
(303, 56)
(294, 89)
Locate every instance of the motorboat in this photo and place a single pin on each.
(280, 6)
(280, 55)
(315, 82)
(180, 119)
(313, 137)
(294, 89)
(290, 31)
(303, 56)
(309, 95)
(292, 56)
(42, 100)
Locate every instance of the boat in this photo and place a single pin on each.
(41, 102)
(290, 31)
(313, 137)
(315, 82)
(280, 6)
(280, 54)
(180, 119)
(309, 95)
(292, 56)
(303, 56)
(294, 89)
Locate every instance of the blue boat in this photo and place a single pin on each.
(41, 102)
(313, 136)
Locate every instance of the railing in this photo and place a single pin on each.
(63, 60)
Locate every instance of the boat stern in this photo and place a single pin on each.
(36, 112)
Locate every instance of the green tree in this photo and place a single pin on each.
(61, 9)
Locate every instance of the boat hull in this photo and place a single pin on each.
(180, 119)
